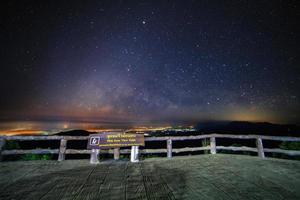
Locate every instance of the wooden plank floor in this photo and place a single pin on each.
(191, 177)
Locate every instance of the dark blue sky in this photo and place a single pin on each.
(146, 61)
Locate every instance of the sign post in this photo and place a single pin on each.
(94, 156)
(109, 140)
(134, 157)
(116, 153)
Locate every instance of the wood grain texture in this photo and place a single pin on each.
(260, 148)
(191, 177)
(213, 149)
(62, 150)
(168, 150)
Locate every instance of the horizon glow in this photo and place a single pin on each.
(145, 64)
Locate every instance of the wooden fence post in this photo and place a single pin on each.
(169, 148)
(116, 153)
(260, 148)
(205, 143)
(213, 149)
(62, 150)
(134, 157)
(94, 156)
(2, 144)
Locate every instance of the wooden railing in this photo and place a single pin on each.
(169, 150)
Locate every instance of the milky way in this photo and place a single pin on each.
(144, 61)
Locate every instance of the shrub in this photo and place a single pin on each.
(205, 142)
(290, 145)
(30, 156)
(11, 144)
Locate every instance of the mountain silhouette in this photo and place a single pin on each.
(74, 133)
(245, 127)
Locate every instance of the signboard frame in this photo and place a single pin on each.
(109, 140)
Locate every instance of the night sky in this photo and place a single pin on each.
(144, 62)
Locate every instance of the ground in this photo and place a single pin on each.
(191, 177)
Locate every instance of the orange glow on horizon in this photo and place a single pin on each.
(144, 128)
(21, 132)
(103, 130)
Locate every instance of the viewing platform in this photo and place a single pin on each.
(220, 176)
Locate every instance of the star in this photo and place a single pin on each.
(132, 60)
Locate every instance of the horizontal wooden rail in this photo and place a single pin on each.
(62, 151)
(143, 151)
(174, 138)
(264, 137)
(50, 137)
(243, 148)
(30, 151)
(288, 152)
(78, 151)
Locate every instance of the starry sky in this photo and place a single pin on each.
(149, 61)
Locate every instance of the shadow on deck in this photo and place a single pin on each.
(191, 177)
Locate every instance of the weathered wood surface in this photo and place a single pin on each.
(110, 151)
(116, 153)
(48, 137)
(134, 155)
(62, 150)
(188, 149)
(232, 148)
(174, 138)
(213, 147)
(78, 151)
(260, 148)
(265, 137)
(198, 137)
(94, 156)
(192, 177)
(288, 152)
(30, 151)
(169, 148)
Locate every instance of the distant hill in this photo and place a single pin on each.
(74, 133)
(225, 127)
(244, 127)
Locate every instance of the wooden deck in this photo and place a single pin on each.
(191, 177)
